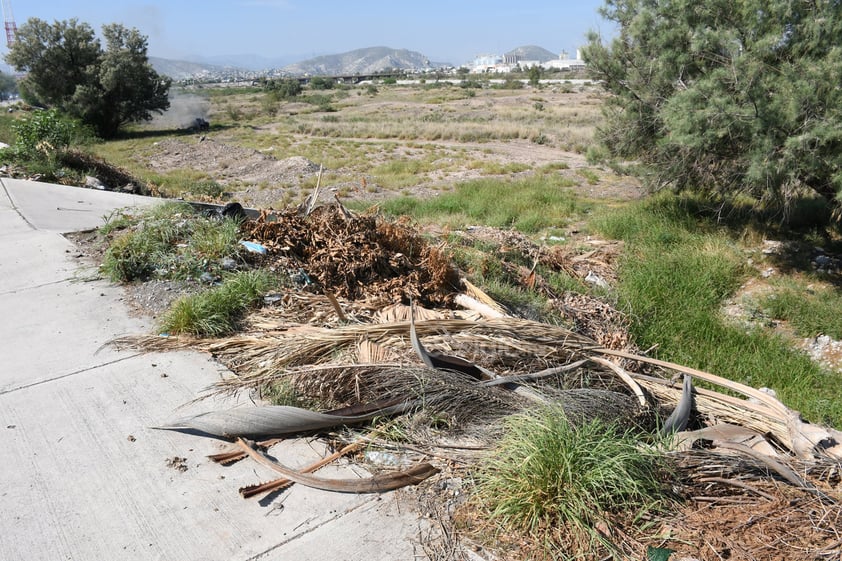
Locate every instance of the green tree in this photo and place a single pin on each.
(534, 76)
(285, 88)
(68, 69)
(726, 97)
(321, 83)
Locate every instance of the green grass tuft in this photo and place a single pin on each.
(168, 241)
(216, 311)
(547, 472)
(529, 205)
(811, 310)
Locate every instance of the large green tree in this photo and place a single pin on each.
(726, 96)
(66, 67)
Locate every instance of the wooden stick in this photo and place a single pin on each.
(252, 490)
(374, 484)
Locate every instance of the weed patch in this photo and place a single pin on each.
(170, 241)
(677, 271)
(549, 477)
(811, 310)
(528, 205)
(216, 311)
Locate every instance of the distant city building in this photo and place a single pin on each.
(495, 64)
(486, 63)
(564, 62)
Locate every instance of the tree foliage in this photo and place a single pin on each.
(67, 68)
(726, 97)
(283, 88)
(534, 76)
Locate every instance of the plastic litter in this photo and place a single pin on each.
(254, 247)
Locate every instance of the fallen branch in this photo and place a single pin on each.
(374, 484)
(252, 490)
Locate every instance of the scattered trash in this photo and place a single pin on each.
(94, 183)
(254, 247)
(270, 299)
(596, 280)
(301, 278)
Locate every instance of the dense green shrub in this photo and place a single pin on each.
(725, 97)
(43, 134)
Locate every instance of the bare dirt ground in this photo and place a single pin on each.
(256, 179)
(447, 136)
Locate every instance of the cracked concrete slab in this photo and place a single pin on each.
(85, 476)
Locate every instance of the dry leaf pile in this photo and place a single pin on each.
(357, 256)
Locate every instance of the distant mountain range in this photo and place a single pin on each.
(182, 69)
(359, 61)
(363, 61)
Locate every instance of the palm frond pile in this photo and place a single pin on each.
(343, 342)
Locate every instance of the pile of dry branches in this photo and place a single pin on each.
(357, 256)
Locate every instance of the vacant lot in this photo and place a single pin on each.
(502, 186)
(372, 142)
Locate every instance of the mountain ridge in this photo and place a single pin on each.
(367, 60)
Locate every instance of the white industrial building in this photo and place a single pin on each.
(564, 62)
(495, 64)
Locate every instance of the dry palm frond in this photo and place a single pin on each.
(506, 341)
(373, 353)
(482, 302)
(440, 392)
(700, 463)
(763, 413)
(506, 346)
(401, 313)
(271, 421)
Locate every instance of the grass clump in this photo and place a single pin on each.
(216, 311)
(810, 309)
(677, 270)
(169, 241)
(556, 481)
(528, 205)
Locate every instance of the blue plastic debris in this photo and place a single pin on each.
(254, 247)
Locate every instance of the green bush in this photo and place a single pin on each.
(285, 88)
(321, 83)
(44, 133)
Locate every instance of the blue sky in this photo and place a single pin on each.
(452, 31)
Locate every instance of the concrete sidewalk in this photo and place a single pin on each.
(83, 477)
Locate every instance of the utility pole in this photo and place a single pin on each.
(9, 23)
